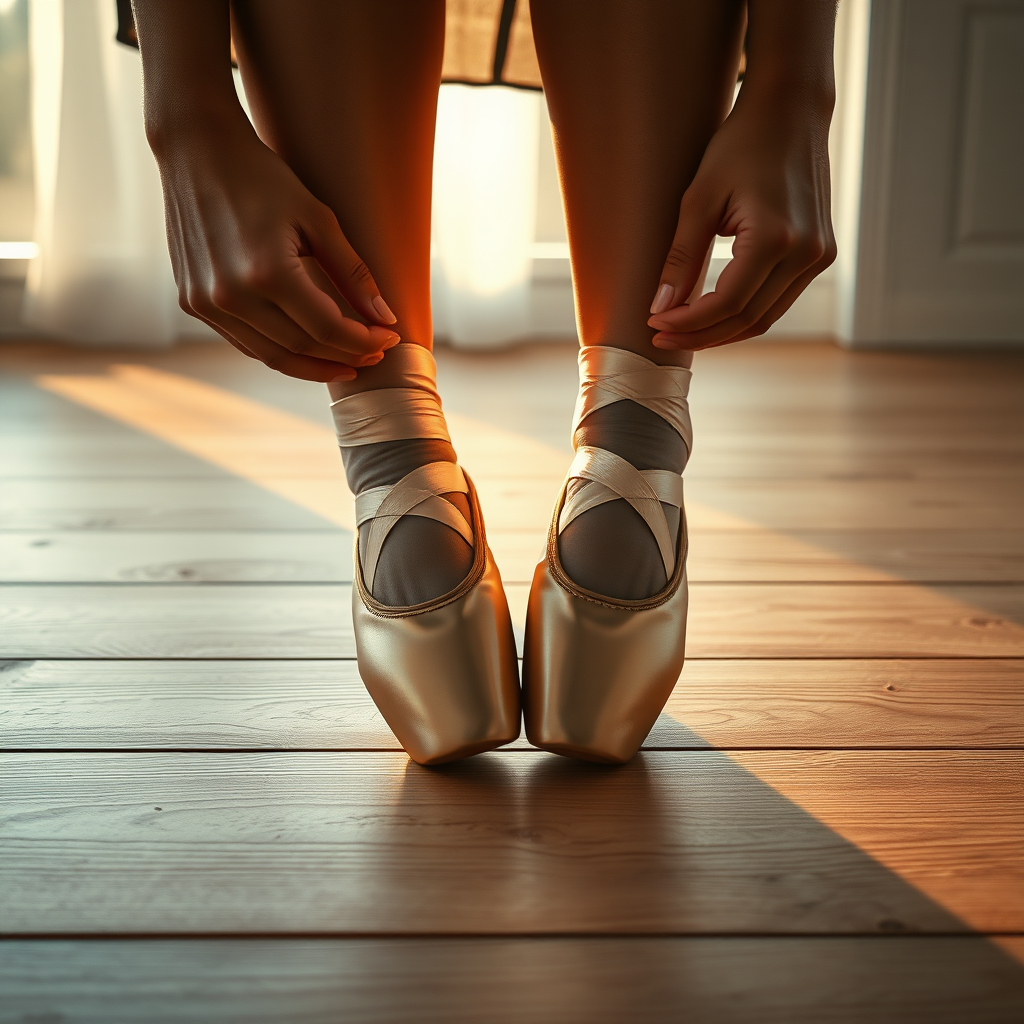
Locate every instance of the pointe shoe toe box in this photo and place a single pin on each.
(445, 680)
(595, 676)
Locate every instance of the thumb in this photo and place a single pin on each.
(687, 257)
(351, 276)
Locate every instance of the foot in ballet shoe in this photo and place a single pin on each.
(598, 667)
(441, 664)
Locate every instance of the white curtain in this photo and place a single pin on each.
(103, 275)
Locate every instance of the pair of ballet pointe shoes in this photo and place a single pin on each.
(597, 671)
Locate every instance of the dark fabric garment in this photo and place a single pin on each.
(487, 42)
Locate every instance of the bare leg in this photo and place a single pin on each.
(346, 93)
(635, 91)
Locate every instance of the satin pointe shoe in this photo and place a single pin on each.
(443, 673)
(597, 671)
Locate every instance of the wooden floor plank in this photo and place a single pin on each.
(860, 704)
(855, 621)
(860, 504)
(186, 503)
(169, 556)
(188, 705)
(322, 705)
(903, 980)
(833, 556)
(515, 503)
(511, 843)
(74, 453)
(324, 556)
(314, 621)
(173, 621)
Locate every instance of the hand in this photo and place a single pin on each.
(239, 225)
(764, 179)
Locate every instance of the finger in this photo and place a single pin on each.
(825, 252)
(234, 342)
(329, 246)
(695, 342)
(688, 254)
(289, 363)
(273, 323)
(782, 305)
(767, 295)
(756, 253)
(318, 315)
(252, 343)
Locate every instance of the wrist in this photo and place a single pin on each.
(786, 99)
(789, 87)
(789, 56)
(188, 122)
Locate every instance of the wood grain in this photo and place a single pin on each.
(137, 705)
(371, 843)
(322, 705)
(855, 621)
(186, 503)
(212, 503)
(314, 621)
(182, 556)
(170, 621)
(902, 980)
(862, 704)
(71, 454)
(324, 556)
(121, 451)
(863, 556)
(860, 504)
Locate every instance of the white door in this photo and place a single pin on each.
(940, 253)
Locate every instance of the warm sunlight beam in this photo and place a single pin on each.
(954, 826)
(285, 454)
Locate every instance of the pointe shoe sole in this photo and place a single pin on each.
(443, 674)
(597, 673)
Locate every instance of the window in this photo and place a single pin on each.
(16, 200)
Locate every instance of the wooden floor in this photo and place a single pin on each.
(202, 816)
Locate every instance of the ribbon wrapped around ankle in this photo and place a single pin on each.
(597, 476)
(418, 494)
(388, 414)
(412, 409)
(609, 375)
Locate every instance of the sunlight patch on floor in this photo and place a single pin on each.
(972, 806)
(285, 454)
(298, 460)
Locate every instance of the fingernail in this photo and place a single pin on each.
(382, 310)
(374, 360)
(663, 344)
(392, 341)
(342, 377)
(658, 325)
(663, 298)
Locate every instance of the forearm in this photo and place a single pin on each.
(186, 68)
(790, 53)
